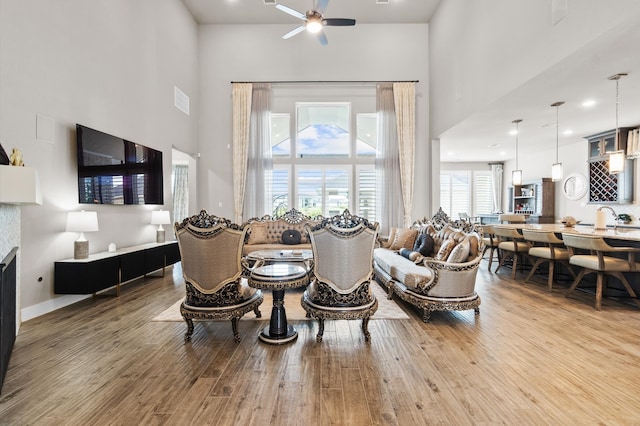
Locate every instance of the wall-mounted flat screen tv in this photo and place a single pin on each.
(112, 170)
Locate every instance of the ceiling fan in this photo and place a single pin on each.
(314, 21)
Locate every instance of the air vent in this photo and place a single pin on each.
(269, 1)
(382, 1)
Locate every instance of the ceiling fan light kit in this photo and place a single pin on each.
(314, 21)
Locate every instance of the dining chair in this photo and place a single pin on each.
(511, 244)
(546, 247)
(490, 241)
(598, 260)
(512, 218)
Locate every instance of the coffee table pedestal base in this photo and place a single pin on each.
(266, 337)
(278, 331)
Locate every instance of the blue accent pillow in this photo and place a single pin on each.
(424, 245)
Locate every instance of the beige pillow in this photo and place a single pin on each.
(460, 252)
(445, 249)
(404, 238)
(258, 233)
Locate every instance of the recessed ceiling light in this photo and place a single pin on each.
(567, 132)
(588, 103)
(503, 153)
(450, 153)
(494, 145)
(513, 132)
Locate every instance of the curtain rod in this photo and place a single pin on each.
(329, 81)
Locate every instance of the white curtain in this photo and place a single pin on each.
(259, 160)
(404, 95)
(180, 192)
(241, 94)
(390, 211)
(496, 180)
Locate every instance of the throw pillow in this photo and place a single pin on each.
(424, 244)
(258, 233)
(291, 237)
(445, 249)
(460, 252)
(404, 238)
(413, 256)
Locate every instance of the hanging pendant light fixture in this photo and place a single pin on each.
(556, 168)
(516, 175)
(616, 158)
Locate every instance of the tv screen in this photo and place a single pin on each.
(113, 170)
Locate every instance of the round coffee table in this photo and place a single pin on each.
(278, 277)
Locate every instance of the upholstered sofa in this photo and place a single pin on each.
(284, 232)
(443, 276)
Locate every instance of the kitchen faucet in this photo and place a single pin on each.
(615, 215)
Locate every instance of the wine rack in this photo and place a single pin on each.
(606, 188)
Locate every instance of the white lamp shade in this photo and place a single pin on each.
(160, 217)
(516, 177)
(82, 221)
(616, 162)
(556, 172)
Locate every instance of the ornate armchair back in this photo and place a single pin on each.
(343, 251)
(211, 251)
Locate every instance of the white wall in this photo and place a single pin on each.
(111, 65)
(574, 158)
(258, 53)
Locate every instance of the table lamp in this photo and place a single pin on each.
(160, 217)
(81, 222)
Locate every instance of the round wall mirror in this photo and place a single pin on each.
(574, 186)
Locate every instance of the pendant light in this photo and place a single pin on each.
(616, 158)
(516, 175)
(556, 168)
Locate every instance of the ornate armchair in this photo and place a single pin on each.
(216, 287)
(343, 268)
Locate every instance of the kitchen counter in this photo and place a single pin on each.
(622, 232)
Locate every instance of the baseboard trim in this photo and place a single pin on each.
(39, 309)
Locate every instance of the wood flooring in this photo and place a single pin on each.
(530, 357)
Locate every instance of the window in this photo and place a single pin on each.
(325, 170)
(466, 192)
(323, 130)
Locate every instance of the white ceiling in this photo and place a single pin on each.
(363, 11)
(579, 77)
(583, 75)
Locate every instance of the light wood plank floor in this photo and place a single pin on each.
(530, 357)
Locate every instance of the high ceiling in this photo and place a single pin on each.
(484, 136)
(363, 11)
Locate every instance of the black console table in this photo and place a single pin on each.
(108, 269)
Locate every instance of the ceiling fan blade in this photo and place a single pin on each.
(339, 22)
(294, 32)
(291, 12)
(321, 5)
(322, 38)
